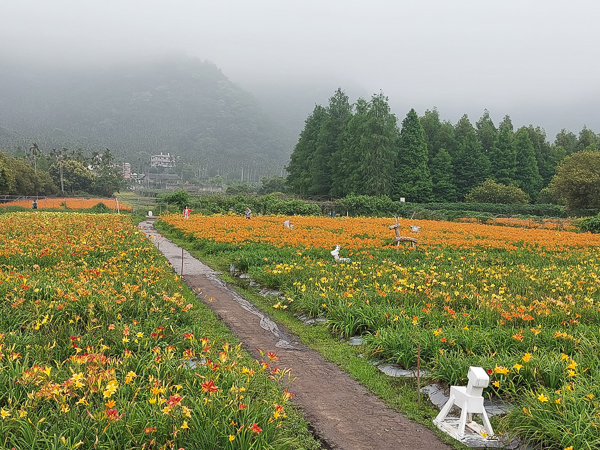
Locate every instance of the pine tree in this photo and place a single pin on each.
(299, 178)
(348, 159)
(543, 153)
(527, 173)
(503, 156)
(413, 176)
(567, 140)
(486, 132)
(471, 165)
(329, 143)
(432, 125)
(442, 177)
(378, 147)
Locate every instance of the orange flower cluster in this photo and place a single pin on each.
(362, 233)
(69, 202)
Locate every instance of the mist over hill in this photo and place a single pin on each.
(179, 105)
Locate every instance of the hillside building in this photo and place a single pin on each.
(162, 160)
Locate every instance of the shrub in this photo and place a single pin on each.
(180, 198)
(590, 224)
(491, 192)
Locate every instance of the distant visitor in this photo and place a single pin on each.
(34, 204)
(248, 213)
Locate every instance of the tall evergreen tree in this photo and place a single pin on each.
(347, 177)
(299, 177)
(442, 177)
(588, 140)
(446, 138)
(471, 165)
(543, 151)
(431, 123)
(414, 179)
(329, 142)
(567, 140)
(379, 148)
(503, 156)
(486, 132)
(527, 173)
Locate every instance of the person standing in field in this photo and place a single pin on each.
(248, 213)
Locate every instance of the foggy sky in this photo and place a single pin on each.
(533, 59)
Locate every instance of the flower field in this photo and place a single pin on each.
(522, 303)
(101, 346)
(69, 202)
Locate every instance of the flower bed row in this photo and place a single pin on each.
(524, 304)
(70, 203)
(102, 344)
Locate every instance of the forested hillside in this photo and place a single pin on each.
(181, 105)
(360, 149)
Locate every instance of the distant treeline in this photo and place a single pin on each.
(61, 171)
(358, 149)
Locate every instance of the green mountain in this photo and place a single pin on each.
(182, 106)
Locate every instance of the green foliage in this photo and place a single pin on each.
(412, 171)
(503, 155)
(299, 178)
(443, 188)
(266, 204)
(486, 132)
(590, 224)
(100, 208)
(271, 185)
(471, 165)
(17, 177)
(491, 192)
(347, 177)
(577, 181)
(363, 205)
(181, 198)
(527, 173)
(75, 176)
(4, 179)
(109, 177)
(329, 142)
(238, 188)
(377, 147)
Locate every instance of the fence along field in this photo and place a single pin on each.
(522, 303)
(101, 344)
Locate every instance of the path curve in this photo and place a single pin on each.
(342, 413)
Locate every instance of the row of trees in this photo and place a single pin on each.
(59, 171)
(359, 149)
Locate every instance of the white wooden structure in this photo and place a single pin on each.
(470, 400)
(336, 255)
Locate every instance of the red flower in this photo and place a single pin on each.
(174, 400)
(209, 387)
(254, 427)
(112, 414)
(150, 430)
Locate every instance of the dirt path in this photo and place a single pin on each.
(343, 414)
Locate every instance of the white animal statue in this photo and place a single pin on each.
(470, 400)
(336, 255)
